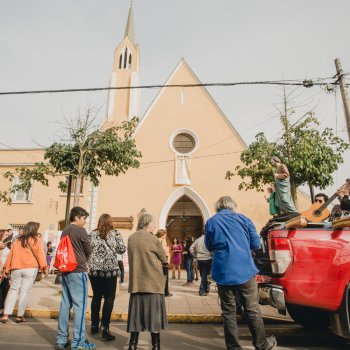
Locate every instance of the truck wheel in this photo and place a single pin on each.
(308, 317)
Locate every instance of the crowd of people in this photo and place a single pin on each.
(98, 258)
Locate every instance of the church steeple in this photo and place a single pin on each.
(129, 29)
(123, 104)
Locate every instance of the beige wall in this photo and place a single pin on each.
(46, 205)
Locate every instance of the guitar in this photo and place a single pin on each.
(317, 212)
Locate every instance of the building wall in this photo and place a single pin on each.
(46, 205)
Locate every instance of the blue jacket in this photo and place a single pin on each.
(231, 237)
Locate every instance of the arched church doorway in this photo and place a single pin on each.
(184, 219)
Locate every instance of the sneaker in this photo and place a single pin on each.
(60, 347)
(124, 284)
(85, 345)
(202, 294)
(271, 343)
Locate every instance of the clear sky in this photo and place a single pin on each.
(70, 44)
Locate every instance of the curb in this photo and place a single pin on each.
(117, 316)
(172, 318)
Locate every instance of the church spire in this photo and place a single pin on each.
(129, 30)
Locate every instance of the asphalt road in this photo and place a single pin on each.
(40, 334)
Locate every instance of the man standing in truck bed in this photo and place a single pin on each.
(231, 237)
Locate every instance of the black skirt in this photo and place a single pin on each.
(147, 312)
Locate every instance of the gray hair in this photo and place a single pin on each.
(225, 202)
(144, 221)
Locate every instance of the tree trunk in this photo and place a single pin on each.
(77, 190)
(312, 194)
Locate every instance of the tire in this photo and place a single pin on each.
(308, 317)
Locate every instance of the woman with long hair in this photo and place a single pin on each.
(106, 244)
(26, 257)
(176, 251)
(147, 310)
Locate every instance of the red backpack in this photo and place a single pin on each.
(65, 260)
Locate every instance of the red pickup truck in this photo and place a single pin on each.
(306, 271)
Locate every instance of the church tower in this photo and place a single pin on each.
(123, 104)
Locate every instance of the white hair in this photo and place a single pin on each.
(225, 202)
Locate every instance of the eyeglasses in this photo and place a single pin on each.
(319, 201)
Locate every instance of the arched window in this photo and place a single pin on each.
(129, 66)
(125, 57)
(120, 61)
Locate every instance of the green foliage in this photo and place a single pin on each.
(311, 156)
(87, 155)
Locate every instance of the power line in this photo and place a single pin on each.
(318, 82)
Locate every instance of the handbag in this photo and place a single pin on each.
(39, 275)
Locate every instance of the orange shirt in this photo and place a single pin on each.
(23, 258)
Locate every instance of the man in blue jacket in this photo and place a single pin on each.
(231, 237)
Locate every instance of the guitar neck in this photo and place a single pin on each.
(327, 203)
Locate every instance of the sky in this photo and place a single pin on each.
(61, 44)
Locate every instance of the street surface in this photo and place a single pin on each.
(40, 334)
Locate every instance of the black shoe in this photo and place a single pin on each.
(168, 295)
(94, 330)
(134, 339)
(271, 343)
(105, 334)
(61, 347)
(155, 341)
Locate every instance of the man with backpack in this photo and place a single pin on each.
(72, 255)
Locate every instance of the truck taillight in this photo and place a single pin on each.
(280, 252)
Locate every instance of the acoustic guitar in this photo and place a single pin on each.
(317, 212)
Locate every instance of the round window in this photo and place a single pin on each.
(184, 143)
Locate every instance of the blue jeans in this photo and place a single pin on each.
(74, 294)
(188, 266)
(204, 267)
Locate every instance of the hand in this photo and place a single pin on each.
(341, 193)
(2, 245)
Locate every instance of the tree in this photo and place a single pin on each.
(89, 152)
(311, 155)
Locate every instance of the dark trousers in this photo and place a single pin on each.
(121, 269)
(106, 288)
(250, 300)
(166, 273)
(204, 267)
(4, 288)
(188, 266)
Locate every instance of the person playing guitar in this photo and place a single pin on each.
(318, 210)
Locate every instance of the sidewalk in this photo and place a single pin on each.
(184, 306)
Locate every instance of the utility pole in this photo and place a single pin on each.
(344, 94)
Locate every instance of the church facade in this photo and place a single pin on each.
(187, 145)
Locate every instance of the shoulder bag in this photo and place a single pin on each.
(39, 275)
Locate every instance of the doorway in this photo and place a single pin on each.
(184, 220)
